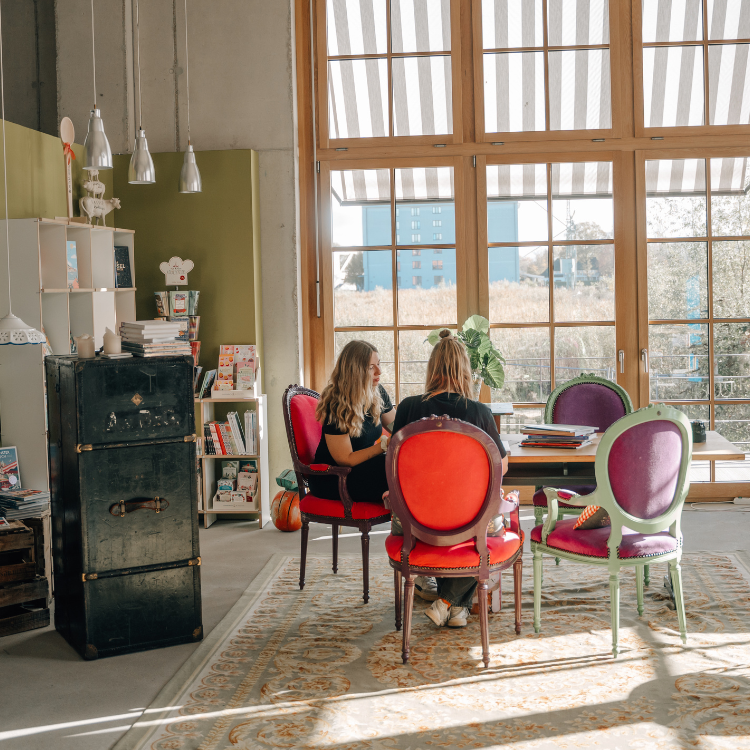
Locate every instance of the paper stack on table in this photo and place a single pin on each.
(563, 436)
(21, 503)
(153, 338)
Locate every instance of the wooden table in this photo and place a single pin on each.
(571, 468)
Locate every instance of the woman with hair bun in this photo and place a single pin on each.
(353, 410)
(448, 392)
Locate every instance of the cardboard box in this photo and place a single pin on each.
(230, 469)
(226, 485)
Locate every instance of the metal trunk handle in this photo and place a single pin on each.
(158, 504)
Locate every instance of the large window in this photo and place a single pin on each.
(698, 238)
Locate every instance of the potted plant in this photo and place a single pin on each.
(486, 361)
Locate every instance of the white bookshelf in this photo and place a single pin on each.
(211, 465)
(41, 298)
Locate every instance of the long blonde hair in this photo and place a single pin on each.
(350, 394)
(449, 368)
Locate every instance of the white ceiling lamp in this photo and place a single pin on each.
(12, 329)
(190, 176)
(98, 152)
(141, 170)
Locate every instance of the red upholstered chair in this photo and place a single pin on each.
(303, 432)
(444, 479)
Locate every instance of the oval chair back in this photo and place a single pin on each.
(444, 479)
(588, 400)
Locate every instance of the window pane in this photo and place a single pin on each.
(418, 192)
(732, 360)
(421, 299)
(513, 92)
(527, 368)
(422, 103)
(728, 19)
(585, 349)
(700, 471)
(356, 27)
(733, 422)
(383, 342)
(579, 90)
(676, 198)
(730, 204)
(420, 26)
(582, 205)
(519, 284)
(413, 353)
(362, 288)
(358, 98)
(729, 84)
(667, 21)
(512, 423)
(573, 23)
(517, 202)
(731, 276)
(678, 361)
(512, 23)
(677, 280)
(672, 86)
(360, 208)
(584, 282)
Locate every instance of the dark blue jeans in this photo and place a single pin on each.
(458, 591)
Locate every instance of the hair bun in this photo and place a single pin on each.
(445, 333)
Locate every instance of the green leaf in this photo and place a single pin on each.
(472, 339)
(477, 323)
(493, 374)
(434, 336)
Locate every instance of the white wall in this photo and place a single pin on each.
(241, 96)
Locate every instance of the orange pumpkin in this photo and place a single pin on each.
(285, 511)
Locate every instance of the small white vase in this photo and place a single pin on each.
(476, 381)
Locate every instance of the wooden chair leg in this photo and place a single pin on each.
(303, 553)
(614, 604)
(639, 577)
(397, 596)
(646, 575)
(675, 571)
(366, 563)
(335, 537)
(517, 572)
(484, 625)
(408, 606)
(537, 591)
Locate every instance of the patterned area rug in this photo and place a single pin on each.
(320, 669)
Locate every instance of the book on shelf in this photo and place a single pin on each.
(561, 446)
(72, 258)
(250, 419)
(557, 429)
(216, 440)
(196, 379)
(208, 380)
(149, 325)
(123, 275)
(234, 425)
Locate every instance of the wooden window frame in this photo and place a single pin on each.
(641, 130)
(616, 95)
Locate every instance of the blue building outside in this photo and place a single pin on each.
(433, 223)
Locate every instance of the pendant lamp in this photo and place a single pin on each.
(98, 153)
(190, 176)
(12, 329)
(141, 170)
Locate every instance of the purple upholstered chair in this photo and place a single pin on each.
(585, 400)
(641, 470)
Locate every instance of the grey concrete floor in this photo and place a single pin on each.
(51, 698)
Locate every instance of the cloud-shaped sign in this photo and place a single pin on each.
(175, 270)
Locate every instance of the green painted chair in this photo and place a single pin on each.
(641, 472)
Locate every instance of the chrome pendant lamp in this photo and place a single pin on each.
(98, 153)
(190, 176)
(12, 329)
(141, 170)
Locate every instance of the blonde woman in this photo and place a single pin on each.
(353, 410)
(448, 392)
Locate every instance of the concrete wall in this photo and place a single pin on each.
(241, 97)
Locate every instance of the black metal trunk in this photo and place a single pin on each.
(124, 506)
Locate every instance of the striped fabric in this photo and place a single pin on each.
(729, 84)
(421, 25)
(372, 185)
(358, 98)
(673, 86)
(672, 20)
(512, 23)
(357, 27)
(569, 180)
(728, 19)
(683, 177)
(573, 23)
(422, 95)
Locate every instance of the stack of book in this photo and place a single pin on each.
(153, 338)
(564, 436)
(20, 503)
(228, 438)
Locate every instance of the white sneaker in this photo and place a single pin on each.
(458, 617)
(438, 612)
(426, 587)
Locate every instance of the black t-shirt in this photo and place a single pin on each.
(370, 433)
(414, 408)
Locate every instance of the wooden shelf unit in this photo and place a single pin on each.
(206, 408)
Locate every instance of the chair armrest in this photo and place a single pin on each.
(510, 504)
(337, 471)
(566, 496)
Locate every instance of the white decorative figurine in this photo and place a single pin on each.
(94, 205)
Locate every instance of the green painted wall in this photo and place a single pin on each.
(36, 175)
(215, 229)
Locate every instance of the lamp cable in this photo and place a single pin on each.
(138, 63)
(187, 73)
(93, 50)
(5, 160)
